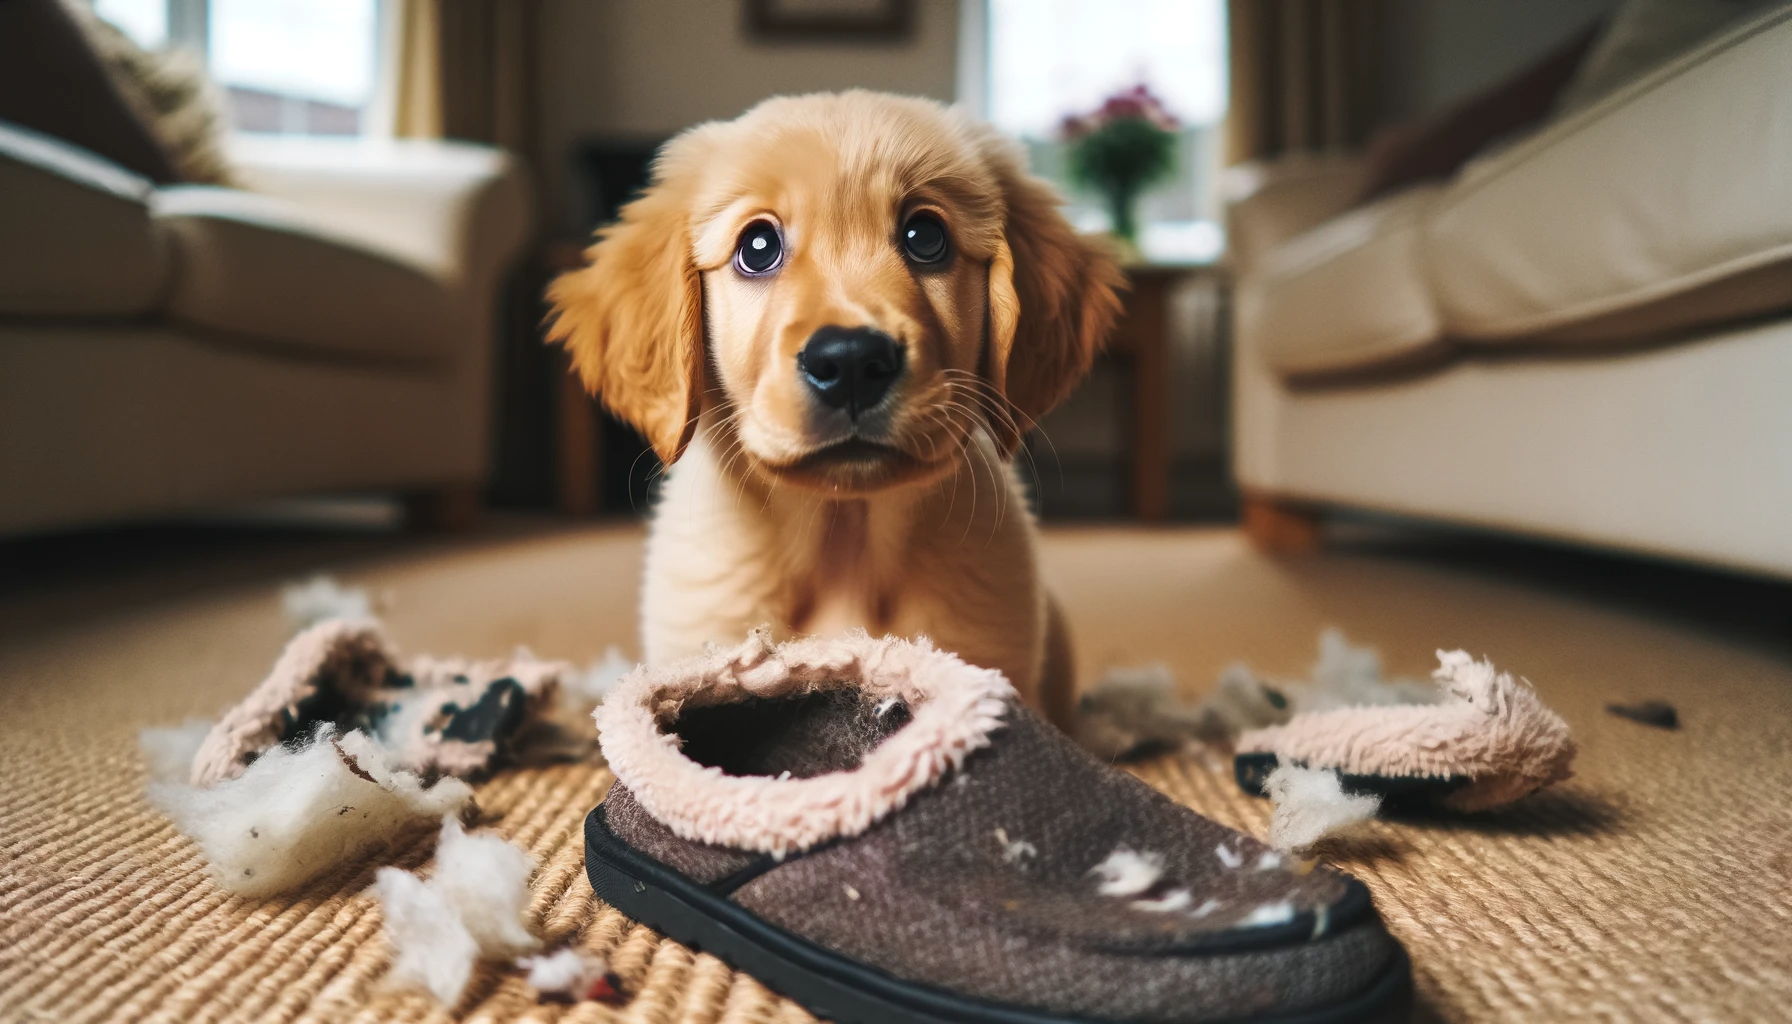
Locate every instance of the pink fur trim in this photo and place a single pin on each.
(954, 707)
(1489, 727)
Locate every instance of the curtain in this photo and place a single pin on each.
(1303, 75)
(463, 71)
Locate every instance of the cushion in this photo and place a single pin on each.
(51, 81)
(1433, 147)
(255, 270)
(171, 92)
(1348, 293)
(1665, 194)
(76, 238)
(1645, 34)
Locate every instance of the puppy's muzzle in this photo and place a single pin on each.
(850, 368)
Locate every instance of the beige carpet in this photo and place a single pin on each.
(1655, 886)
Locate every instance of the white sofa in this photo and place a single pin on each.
(331, 328)
(1586, 335)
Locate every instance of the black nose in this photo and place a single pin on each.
(850, 368)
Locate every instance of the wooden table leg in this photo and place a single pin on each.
(1146, 309)
(580, 469)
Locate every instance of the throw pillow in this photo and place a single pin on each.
(51, 82)
(1434, 146)
(1645, 34)
(169, 91)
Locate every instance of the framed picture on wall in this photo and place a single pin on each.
(846, 21)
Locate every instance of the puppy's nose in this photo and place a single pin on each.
(850, 368)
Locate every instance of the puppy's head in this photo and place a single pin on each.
(856, 283)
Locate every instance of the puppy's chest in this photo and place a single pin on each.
(870, 601)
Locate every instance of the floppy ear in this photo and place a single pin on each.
(1052, 299)
(632, 319)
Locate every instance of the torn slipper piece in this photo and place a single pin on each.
(950, 856)
(1486, 742)
(432, 716)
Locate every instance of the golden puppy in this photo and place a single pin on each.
(833, 318)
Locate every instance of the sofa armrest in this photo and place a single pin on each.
(75, 233)
(459, 211)
(1269, 202)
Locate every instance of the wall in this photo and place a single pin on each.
(648, 68)
(1440, 51)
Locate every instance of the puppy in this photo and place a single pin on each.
(834, 318)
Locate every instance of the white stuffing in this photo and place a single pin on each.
(1015, 850)
(1175, 899)
(1206, 908)
(569, 972)
(582, 691)
(1127, 873)
(1228, 856)
(1310, 804)
(472, 906)
(1268, 914)
(431, 948)
(1136, 710)
(883, 706)
(1346, 676)
(168, 751)
(295, 814)
(487, 880)
(322, 597)
(1271, 861)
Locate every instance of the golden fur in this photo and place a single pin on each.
(758, 522)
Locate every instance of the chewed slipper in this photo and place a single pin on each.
(431, 716)
(883, 833)
(1486, 741)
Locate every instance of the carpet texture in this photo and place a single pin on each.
(1656, 885)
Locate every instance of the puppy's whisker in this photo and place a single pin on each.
(983, 390)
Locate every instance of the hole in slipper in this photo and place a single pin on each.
(805, 735)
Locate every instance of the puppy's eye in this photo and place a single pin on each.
(761, 249)
(924, 238)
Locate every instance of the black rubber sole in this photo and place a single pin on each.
(843, 990)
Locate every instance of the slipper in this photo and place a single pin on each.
(882, 832)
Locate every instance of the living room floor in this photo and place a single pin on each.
(1657, 884)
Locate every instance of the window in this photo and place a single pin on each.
(145, 21)
(1050, 59)
(309, 67)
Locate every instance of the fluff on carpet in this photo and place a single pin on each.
(471, 907)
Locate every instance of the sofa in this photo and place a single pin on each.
(327, 327)
(1584, 335)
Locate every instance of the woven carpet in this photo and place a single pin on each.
(1656, 885)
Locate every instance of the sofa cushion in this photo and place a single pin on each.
(1668, 198)
(76, 238)
(254, 270)
(1350, 292)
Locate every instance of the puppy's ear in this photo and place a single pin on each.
(632, 319)
(1053, 297)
